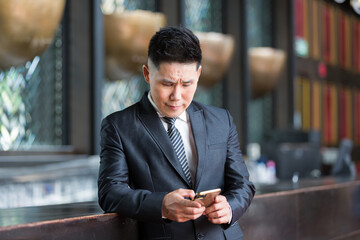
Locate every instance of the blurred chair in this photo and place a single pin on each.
(344, 166)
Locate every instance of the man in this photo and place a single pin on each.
(151, 166)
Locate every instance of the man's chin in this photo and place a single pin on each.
(173, 114)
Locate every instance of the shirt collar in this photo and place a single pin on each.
(183, 116)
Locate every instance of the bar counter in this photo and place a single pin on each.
(324, 208)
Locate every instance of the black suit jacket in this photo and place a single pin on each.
(139, 167)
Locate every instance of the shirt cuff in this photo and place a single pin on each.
(166, 220)
(230, 215)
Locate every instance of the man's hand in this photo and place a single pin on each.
(219, 212)
(178, 209)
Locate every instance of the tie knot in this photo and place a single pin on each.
(170, 121)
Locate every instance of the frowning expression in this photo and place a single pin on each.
(172, 85)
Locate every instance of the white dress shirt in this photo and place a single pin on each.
(182, 123)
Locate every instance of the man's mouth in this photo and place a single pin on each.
(174, 107)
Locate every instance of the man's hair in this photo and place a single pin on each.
(174, 44)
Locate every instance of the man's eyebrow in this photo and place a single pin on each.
(188, 81)
(170, 81)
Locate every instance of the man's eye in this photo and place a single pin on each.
(187, 84)
(167, 84)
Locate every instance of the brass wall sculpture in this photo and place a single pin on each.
(127, 36)
(27, 28)
(266, 65)
(217, 50)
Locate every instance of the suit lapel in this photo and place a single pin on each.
(153, 125)
(199, 132)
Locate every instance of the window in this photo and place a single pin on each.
(31, 101)
(121, 93)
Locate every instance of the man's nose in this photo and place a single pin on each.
(176, 93)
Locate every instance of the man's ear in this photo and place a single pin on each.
(146, 73)
(199, 71)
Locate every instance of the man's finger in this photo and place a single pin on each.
(192, 213)
(217, 214)
(220, 198)
(192, 204)
(220, 202)
(218, 220)
(194, 210)
(186, 193)
(214, 208)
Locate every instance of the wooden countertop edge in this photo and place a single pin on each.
(91, 218)
(310, 189)
(110, 216)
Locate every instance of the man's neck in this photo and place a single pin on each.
(158, 111)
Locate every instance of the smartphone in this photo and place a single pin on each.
(207, 197)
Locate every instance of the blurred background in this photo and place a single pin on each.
(288, 72)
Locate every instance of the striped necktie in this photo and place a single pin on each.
(178, 145)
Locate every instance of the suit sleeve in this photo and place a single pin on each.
(114, 193)
(239, 191)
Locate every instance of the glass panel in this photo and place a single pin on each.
(205, 16)
(31, 101)
(120, 94)
(259, 24)
(110, 6)
(48, 182)
(259, 35)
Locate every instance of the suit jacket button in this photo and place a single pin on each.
(200, 236)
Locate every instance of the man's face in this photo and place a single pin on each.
(172, 86)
